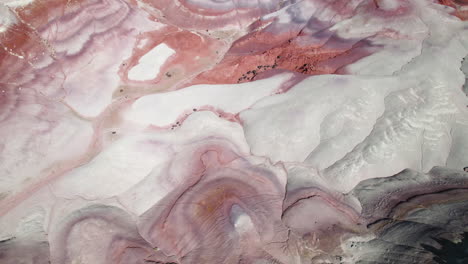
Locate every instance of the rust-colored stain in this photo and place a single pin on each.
(212, 201)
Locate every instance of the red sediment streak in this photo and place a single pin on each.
(376, 7)
(192, 53)
(457, 5)
(36, 15)
(307, 60)
(19, 44)
(221, 114)
(447, 3)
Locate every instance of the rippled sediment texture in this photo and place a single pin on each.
(233, 131)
